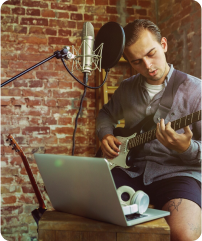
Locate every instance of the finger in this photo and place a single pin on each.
(108, 149)
(187, 131)
(109, 155)
(117, 142)
(162, 125)
(113, 144)
(159, 135)
(163, 138)
(170, 131)
(158, 129)
(106, 154)
(162, 129)
(106, 146)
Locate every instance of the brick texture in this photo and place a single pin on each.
(39, 108)
(181, 25)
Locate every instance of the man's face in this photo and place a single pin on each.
(147, 57)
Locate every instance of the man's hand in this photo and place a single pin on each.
(171, 139)
(109, 146)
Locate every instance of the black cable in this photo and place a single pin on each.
(80, 108)
(82, 98)
(59, 55)
(90, 87)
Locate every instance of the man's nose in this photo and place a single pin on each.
(147, 63)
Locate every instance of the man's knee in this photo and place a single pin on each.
(184, 219)
(189, 233)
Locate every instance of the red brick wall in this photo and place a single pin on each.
(180, 22)
(39, 108)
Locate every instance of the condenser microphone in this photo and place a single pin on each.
(87, 47)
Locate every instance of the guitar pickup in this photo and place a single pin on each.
(123, 146)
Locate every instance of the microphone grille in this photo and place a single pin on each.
(88, 30)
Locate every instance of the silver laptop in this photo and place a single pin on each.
(84, 186)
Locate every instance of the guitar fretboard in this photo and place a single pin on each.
(176, 125)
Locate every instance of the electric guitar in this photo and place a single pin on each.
(134, 139)
(37, 213)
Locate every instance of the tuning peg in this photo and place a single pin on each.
(13, 146)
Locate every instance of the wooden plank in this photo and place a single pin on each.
(70, 236)
(122, 59)
(97, 92)
(98, 101)
(142, 237)
(84, 236)
(105, 90)
(47, 235)
(120, 125)
(53, 220)
(111, 89)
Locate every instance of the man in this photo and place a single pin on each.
(167, 168)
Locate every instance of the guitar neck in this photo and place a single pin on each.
(176, 125)
(33, 182)
(17, 148)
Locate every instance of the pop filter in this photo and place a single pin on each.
(113, 37)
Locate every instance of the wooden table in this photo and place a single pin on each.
(59, 226)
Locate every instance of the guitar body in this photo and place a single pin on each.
(133, 139)
(126, 157)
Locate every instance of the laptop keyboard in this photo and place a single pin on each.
(134, 216)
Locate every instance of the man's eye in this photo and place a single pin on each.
(151, 53)
(136, 62)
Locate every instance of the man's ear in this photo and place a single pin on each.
(164, 44)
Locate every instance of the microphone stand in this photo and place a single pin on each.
(58, 54)
(64, 53)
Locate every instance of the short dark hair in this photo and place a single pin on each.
(132, 31)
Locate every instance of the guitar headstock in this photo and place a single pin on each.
(14, 145)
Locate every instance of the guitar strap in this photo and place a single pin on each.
(176, 79)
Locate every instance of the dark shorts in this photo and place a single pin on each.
(160, 192)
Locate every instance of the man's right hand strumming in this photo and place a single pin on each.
(109, 146)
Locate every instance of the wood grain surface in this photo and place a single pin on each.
(59, 226)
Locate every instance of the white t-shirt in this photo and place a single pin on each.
(153, 89)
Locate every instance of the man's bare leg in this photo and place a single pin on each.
(184, 219)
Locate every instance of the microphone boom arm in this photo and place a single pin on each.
(64, 53)
(27, 70)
